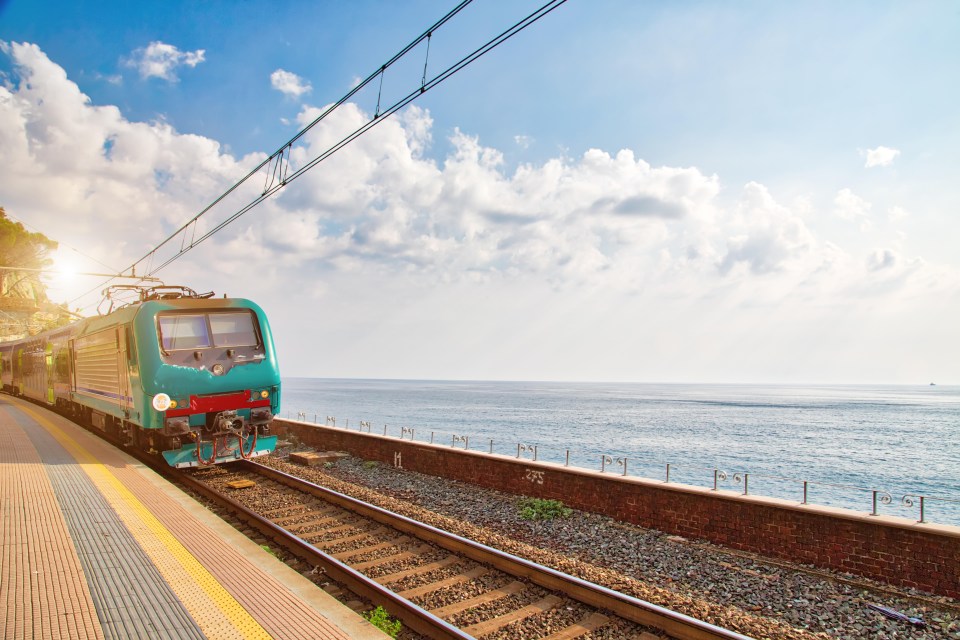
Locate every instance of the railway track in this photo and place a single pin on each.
(438, 584)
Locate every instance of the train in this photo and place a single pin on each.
(184, 375)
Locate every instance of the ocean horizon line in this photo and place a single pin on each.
(807, 384)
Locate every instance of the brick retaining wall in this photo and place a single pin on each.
(890, 549)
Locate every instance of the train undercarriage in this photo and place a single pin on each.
(224, 436)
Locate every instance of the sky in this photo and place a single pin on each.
(688, 192)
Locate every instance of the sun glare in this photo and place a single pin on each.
(64, 269)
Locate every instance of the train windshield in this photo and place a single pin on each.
(204, 330)
(233, 329)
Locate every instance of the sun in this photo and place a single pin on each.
(64, 269)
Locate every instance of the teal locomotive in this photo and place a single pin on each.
(189, 376)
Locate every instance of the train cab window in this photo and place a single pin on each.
(233, 329)
(183, 331)
(193, 331)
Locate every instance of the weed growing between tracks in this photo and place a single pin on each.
(537, 510)
(381, 620)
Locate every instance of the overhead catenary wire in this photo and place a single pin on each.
(278, 154)
(278, 173)
(281, 168)
(56, 272)
(61, 243)
(112, 274)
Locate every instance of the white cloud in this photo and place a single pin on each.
(382, 204)
(881, 259)
(86, 174)
(116, 79)
(896, 214)
(880, 157)
(770, 235)
(289, 84)
(161, 60)
(455, 266)
(850, 206)
(522, 141)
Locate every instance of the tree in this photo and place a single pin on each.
(23, 296)
(22, 248)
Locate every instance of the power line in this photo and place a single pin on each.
(60, 243)
(111, 275)
(278, 164)
(76, 273)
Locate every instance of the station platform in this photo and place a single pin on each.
(95, 545)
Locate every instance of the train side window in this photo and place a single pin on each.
(233, 329)
(183, 332)
(62, 366)
(131, 352)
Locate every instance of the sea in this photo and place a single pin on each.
(866, 448)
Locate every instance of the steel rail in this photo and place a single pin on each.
(676, 624)
(412, 616)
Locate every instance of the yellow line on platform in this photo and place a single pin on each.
(226, 618)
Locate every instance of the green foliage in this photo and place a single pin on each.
(381, 620)
(329, 465)
(21, 248)
(537, 509)
(267, 548)
(370, 464)
(23, 295)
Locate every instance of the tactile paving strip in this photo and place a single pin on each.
(220, 577)
(131, 597)
(209, 604)
(43, 593)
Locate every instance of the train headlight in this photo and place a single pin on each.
(264, 394)
(217, 369)
(161, 402)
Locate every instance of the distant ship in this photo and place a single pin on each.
(933, 384)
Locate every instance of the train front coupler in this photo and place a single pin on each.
(227, 436)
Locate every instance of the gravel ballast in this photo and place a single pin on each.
(739, 591)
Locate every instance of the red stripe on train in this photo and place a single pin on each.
(223, 402)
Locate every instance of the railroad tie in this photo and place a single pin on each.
(393, 557)
(489, 626)
(489, 596)
(318, 527)
(326, 544)
(326, 518)
(415, 592)
(591, 623)
(343, 556)
(300, 506)
(418, 571)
